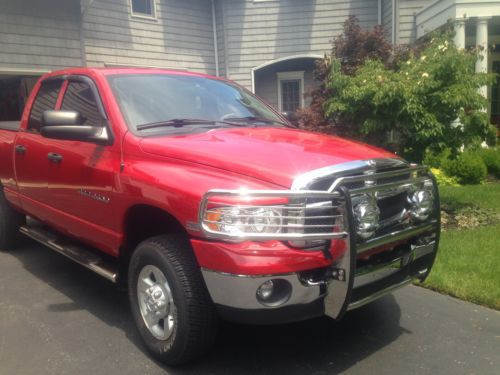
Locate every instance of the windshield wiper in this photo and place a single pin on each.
(256, 119)
(176, 123)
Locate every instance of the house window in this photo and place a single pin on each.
(290, 91)
(143, 8)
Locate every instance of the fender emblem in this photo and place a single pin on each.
(94, 196)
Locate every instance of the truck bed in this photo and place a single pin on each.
(8, 134)
(10, 125)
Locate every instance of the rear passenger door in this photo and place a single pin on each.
(31, 163)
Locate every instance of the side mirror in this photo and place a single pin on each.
(68, 125)
(58, 118)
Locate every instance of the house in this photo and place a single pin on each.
(269, 46)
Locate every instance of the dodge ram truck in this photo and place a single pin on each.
(206, 203)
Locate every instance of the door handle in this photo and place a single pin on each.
(20, 149)
(55, 158)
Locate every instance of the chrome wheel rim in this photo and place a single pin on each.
(156, 303)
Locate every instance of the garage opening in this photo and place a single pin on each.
(14, 92)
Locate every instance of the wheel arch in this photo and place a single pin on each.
(143, 221)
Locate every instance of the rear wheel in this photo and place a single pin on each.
(10, 221)
(169, 300)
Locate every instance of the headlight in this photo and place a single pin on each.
(366, 216)
(241, 221)
(303, 218)
(421, 201)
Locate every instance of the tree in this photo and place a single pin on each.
(368, 88)
(352, 48)
(420, 98)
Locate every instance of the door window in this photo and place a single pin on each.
(46, 99)
(290, 95)
(79, 97)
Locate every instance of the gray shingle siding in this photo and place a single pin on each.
(260, 32)
(39, 34)
(180, 37)
(406, 11)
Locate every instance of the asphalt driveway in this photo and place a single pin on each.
(58, 318)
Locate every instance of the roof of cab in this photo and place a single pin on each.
(124, 71)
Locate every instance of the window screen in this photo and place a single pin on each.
(290, 95)
(79, 97)
(46, 99)
(143, 8)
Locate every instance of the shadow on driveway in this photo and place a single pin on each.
(320, 345)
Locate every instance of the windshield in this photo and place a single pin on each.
(162, 99)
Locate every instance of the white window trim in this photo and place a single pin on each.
(144, 15)
(287, 76)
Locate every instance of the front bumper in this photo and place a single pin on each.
(236, 295)
(349, 274)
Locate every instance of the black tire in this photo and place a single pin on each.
(196, 320)
(10, 221)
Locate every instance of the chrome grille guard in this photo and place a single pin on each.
(301, 203)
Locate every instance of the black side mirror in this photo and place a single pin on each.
(68, 125)
(58, 118)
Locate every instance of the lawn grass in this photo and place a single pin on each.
(468, 265)
(468, 261)
(484, 196)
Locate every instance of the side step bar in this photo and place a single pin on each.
(75, 252)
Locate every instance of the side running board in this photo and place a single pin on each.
(76, 252)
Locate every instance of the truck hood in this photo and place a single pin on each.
(275, 155)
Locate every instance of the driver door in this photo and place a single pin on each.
(82, 175)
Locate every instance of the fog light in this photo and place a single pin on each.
(422, 201)
(366, 215)
(265, 291)
(274, 292)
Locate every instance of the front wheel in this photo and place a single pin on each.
(169, 300)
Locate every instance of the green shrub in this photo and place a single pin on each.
(443, 179)
(468, 168)
(435, 159)
(491, 158)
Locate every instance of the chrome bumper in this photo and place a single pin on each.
(240, 291)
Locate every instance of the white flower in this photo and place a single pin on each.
(406, 73)
(425, 75)
(423, 58)
(408, 62)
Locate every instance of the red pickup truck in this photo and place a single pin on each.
(207, 203)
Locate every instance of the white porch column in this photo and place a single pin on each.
(482, 45)
(460, 33)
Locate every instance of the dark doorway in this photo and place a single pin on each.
(14, 92)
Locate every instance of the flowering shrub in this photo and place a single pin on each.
(420, 99)
(415, 94)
